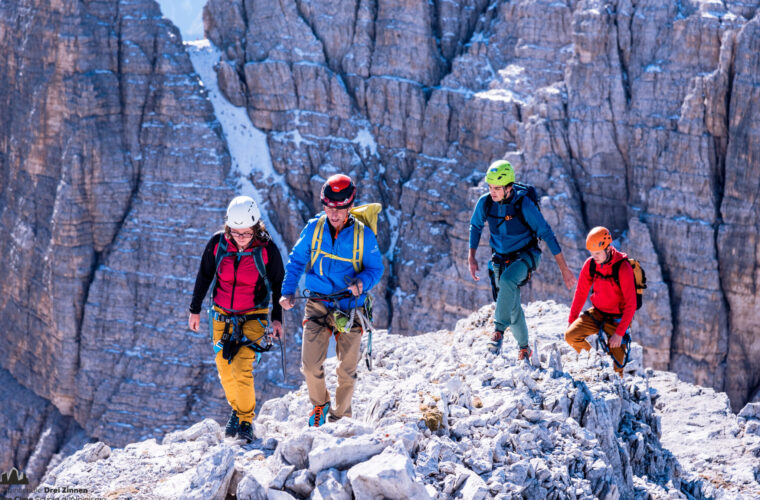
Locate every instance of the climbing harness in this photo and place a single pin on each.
(602, 340)
(233, 339)
(499, 262)
(345, 321)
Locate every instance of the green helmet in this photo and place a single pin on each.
(500, 173)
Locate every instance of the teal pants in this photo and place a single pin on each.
(509, 311)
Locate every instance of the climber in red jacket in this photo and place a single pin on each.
(613, 301)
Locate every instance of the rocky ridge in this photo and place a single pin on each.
(440, 417)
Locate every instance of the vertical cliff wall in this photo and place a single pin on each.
(633, 115)
(114, 170)
(112, 175)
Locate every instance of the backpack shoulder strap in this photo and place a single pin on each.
(261, 267)
(358, 256)
(616, 271)
(221, 249)
(519, 213)
(316, 240)
(219, 253)
(592, 269)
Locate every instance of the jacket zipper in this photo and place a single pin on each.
(234, 282)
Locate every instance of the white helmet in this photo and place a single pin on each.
(242, 213)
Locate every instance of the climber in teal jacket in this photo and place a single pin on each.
(516, 225)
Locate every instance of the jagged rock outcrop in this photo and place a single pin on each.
(564, 428)
(633, 115)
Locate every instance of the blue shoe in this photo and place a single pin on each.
(319, 415)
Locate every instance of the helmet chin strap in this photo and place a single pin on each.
(608, 254)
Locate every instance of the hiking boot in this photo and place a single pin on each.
(245, 432)
(319, 415)
(524, 354)
(496, 339)
(233, 424)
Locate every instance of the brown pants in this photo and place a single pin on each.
(237, 376)
(318, 326)
(584, 327)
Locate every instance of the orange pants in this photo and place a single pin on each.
(237, 377)
(585, 326)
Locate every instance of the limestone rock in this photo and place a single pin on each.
(331, 484)
(582, 431)
(329, 452)
(301, 482)
(386, 475)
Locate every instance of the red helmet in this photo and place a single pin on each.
(338, 191)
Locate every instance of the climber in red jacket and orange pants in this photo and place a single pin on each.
(613, 301)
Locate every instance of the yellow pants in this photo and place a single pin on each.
(237, 377)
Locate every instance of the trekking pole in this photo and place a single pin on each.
(281, 341)
(308, 294)
(367, 326)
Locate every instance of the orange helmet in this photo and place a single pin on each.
(598, 239)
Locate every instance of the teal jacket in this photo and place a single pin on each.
(510, 235)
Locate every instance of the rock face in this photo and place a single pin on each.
(113, 175)
(114, 170)
(564, 428)
(632, 115)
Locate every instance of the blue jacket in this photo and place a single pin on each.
(510, 235)
(330, 275)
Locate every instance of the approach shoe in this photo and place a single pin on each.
(233, 424)
(495, 344)
(319, 415)
(333, 418)
(245, 432)
(524, 354)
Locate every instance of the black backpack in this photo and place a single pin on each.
(531, 193)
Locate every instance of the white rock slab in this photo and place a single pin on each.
(388, 475)
(331, 452)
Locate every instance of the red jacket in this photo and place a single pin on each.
(607, 296)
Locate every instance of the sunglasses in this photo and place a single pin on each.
(236, 234)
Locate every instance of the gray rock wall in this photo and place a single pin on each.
(113, 172)
(34, 434)
(633, 115)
